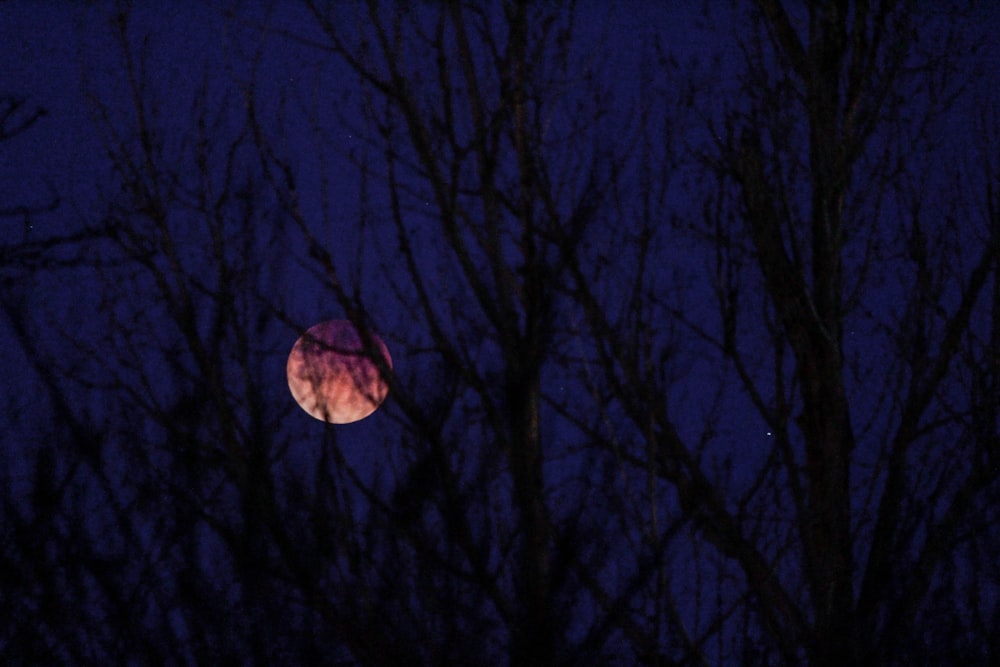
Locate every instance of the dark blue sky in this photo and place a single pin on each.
(66, 61)
(195, 68)
(62, 58)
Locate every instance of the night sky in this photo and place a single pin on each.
(694, 315)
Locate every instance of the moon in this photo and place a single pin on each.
(333, 377)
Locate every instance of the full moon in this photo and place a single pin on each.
(333, 377)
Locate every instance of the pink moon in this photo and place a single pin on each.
(333, 377)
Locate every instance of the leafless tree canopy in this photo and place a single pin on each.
(694, 358)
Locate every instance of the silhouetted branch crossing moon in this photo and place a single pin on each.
(333, 376)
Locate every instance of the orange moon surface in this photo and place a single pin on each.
(333, 377)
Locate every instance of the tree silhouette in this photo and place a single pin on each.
(701, 371)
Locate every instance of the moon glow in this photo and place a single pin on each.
(333, 377)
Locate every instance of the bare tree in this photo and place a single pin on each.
(484, 196)
(837, 538)
(821, 218)
(674, 381)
